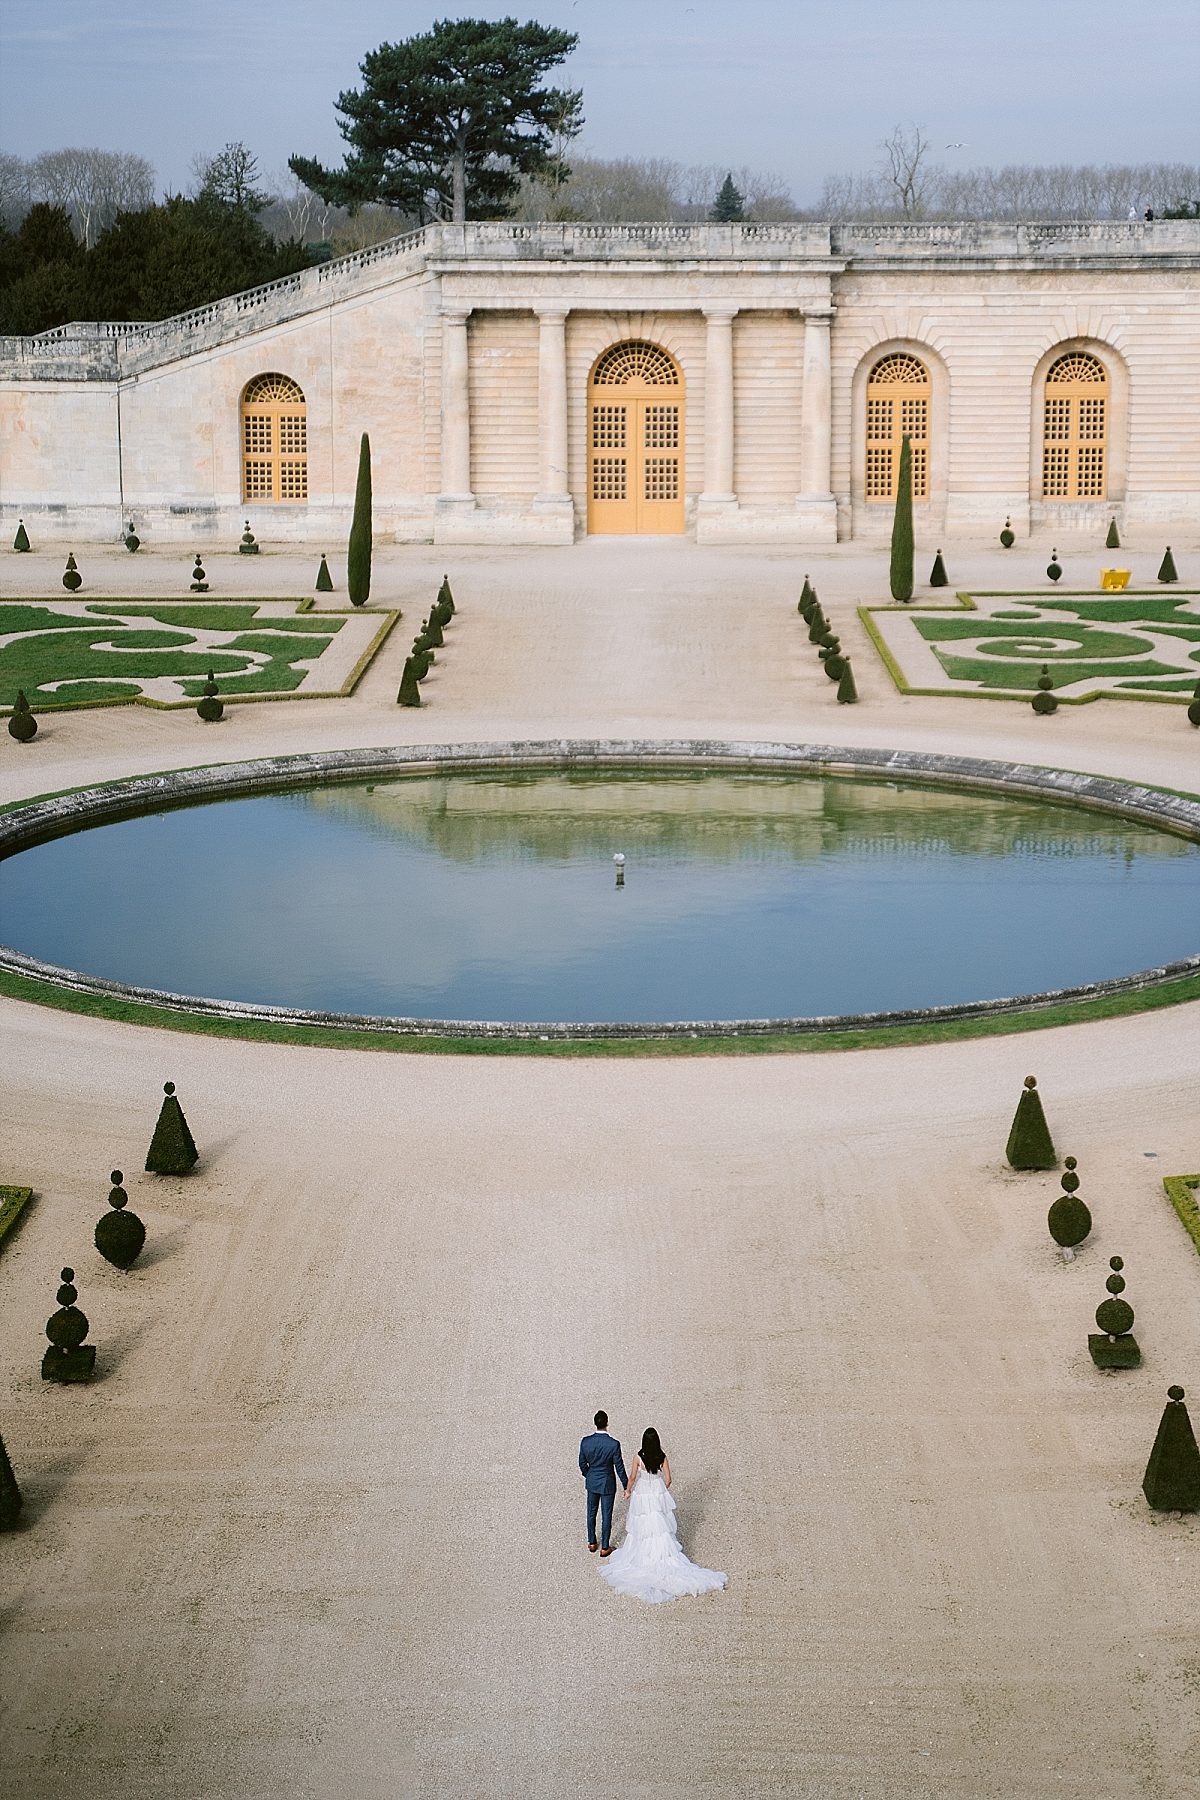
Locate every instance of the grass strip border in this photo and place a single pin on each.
(13, 1201)
(967, 601)
(23, 823)
(1181, 1192)
(388, 622)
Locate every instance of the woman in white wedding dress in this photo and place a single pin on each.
(650, 1564)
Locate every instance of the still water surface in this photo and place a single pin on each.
(480, 897)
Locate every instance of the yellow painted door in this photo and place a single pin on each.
(635, 443)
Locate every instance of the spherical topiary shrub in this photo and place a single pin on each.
(1172, 1479)
(68, 1358)
(209, 708)
(10, 1494)
(1054, 567)
(21, 541)
(1008, 536)
(1029, 1142)
(1069, 1219)
(21, 723)
(199, 579)
(131, 540)
(72, 580)
(119, 1234)
(1194, 708)
(1113, 1347)
(1043, 701)
(421, 659)
(248, 545)
(937, 575)
(172, 1148)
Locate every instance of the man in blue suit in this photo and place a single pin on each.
(600, 1465)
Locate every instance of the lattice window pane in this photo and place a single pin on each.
(1058, 421)
(293, 434)
(879, 419)
(258, 480)
(608, 478)
(914, 418)
(900, 370)
(1091, 420)
(920, 472)
(293, 480)
(256, 434)
(1091, 471)
(1077, 366)
(662, 478)
(608, 427)
(1056, 465)
(635, 361)
(879, 472)
(662, 428)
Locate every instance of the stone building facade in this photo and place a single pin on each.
(529, 384)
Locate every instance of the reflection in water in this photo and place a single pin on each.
(494, 897)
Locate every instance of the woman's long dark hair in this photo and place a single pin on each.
(651, 1451)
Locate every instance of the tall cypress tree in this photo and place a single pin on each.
(901, 573)
(358, 553)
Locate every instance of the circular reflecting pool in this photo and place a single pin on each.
(496, 897)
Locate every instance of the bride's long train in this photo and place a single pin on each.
(650, 1564)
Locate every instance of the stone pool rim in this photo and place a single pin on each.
(24, 823)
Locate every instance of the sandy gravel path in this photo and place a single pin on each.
(318, 1529)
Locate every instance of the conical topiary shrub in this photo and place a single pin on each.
(131, 539)
(1194, 708)
(21, 541)
(209, 708)
(1172, 1479)
(1054, 567)
(324, 578)
(68, 1358)
(10, 1493)
(433, 629)
(249, 544)
(446, 598)
(172, 1148)
(358, 552)
(806, 596)
(120, 1235)
(1114, 1346)
(72, 580)
(1166, 568)
(818, 625)
(900, 572)
(421, 659)
(21, 723)
(410, 687)
(1043, 701)
(1113, 540)
(199, 579)
(937, 575)
(1008, 536)
(847, 693)
(1030, 1145)
(1069, 1219)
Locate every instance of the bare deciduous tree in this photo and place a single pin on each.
(906, 167)
(92, 186)
(15, 195)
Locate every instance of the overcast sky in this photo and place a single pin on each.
(802, 87)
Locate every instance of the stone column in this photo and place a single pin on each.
(456, 492)
(718, 410)
(815, 500)
(553, 489)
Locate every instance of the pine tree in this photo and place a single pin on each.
(172, 1148)
(728, 208)
(901, 572)
(358, 554)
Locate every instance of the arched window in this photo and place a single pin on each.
(898, 394)
(274, 440)
(635, 441)
(1075, 429)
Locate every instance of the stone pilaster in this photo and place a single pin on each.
(815, 502)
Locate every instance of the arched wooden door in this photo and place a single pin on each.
(635, 441)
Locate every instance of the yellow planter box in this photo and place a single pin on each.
(1114, 581)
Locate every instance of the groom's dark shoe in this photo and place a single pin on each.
(593, 1546)
(607, 1550)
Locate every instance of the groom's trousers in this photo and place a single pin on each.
(605, 1502)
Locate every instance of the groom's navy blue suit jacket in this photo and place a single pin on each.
(600, 1463)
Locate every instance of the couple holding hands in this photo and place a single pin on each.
(650, 1564)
